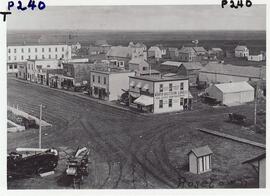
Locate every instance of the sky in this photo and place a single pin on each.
(177, 17)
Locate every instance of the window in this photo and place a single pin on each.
(22, 50)
(55, 49)
(9, 58)
(49, 56)
(104, 81)
(29, 57)
(42, 49)
(28, 66)
(161, 88)
(93, 78)
(15, 58)
(9, 50)
(63, 49)
(49, 49)
(181, 101)
(170, 87)
(160, 103)
(170, 103)
(27, 75)
(63, 56)
(32, 67)
(29, 50)
(10, 66)
(22, 57)
(15, 50)
(56, 56)
(98, 79)
(43, 57)
(15, 66)
(48, 66)
(182, 86)
(35, 49)
(36, 57)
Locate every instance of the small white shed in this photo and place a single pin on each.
(232, 93)
(200, 160)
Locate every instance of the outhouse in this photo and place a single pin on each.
(200, 160)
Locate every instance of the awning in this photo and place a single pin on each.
(132, 84)
(144, 100)
(135, 95)
(146, 87)
(190, 95)
(139, 85)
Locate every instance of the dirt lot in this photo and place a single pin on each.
(130, 150)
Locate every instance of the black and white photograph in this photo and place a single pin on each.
(136, 96)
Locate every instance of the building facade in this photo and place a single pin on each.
(158, 94)
(241, 51)
(108, 84)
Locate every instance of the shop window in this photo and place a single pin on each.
(181, 101)
(170, 103)
(160, 103)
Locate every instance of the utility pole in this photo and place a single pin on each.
(40, 117)
(255, 102)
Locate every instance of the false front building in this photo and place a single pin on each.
(158, 94)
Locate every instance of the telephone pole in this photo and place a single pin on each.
(40, 118)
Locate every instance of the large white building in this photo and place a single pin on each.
(159, 94)
(22, 53)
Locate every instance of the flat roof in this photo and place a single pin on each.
(159, 79)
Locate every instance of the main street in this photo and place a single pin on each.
(128, 150)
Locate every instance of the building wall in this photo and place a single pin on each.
(176, 94)
(262, 173)
(23, 53)
(192, 163)
(239, 97)
(255, 57)
(99, 84)
(117, 82)
(240, 53)
(213, 91)
(12, 68)
(22, 73)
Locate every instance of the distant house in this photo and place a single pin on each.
(155, 52)
(216, 53)
(99, 47)
(241, 51)
(172, 53)
(200, 50)
(162, 49)
(138, 64)
(255, 57)
(188, 54)
(200, 160)
(140, 46)
(232, 93)
(224, 73)
(22, 71)
(259, 164)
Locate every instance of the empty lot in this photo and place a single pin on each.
(129, 150)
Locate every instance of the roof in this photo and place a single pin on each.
(144, 100)
(234, 87)
(257, 158)
(153, 71)
(159, 79)
(199, 49)
(228, 69)
(153, 48)
(172, 63)
(192, 65)
(217, 49)
(138, 61)
(201, 151)
(101, 42)
(173, 49)
(241, 47)
(186, 50)
(120, 51)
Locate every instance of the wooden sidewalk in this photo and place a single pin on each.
(238, 139)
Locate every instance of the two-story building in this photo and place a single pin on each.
(241, 51)
(158, 94)
(108, 84)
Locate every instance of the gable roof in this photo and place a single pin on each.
(257, 158)
(201, 151)
(172, 63)
(192, 65)
(199, 49)
(228, 69)
(241, 48)
(186, 50)
(234, 87)
(120, 51)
